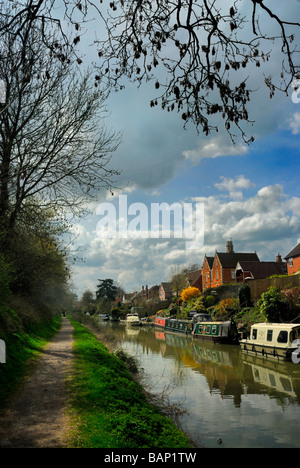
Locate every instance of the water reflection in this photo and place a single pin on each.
(247, 400)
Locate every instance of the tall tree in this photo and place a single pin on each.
(106, 289)
(54, 147)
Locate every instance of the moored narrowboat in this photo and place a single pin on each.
(133, 320)
(160, 322)
(179, 326)
(218, 332)
(273, 340)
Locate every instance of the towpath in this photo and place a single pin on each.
(37, 417)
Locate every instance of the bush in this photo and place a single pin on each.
(210, 301)
(245, 296)
(189, 294)
(274, 306)
(226, 309)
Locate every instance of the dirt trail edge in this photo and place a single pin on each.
(37, 419)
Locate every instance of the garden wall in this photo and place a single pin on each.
(258, 287)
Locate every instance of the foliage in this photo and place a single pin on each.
(106, 289)
(292, 297)
(226, 309)
(189, 293)
(245, 295)
(209, 301)
(5, 278)
(197, 303)
(273, 305)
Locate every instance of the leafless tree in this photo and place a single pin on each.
(54, 147)
(194, 50)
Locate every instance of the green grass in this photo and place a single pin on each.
(22, 348)
(108, 408)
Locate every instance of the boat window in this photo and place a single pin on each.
(200, 328)
(214, 329)
(282, 337)
(208, 329)
(270, 335)
(254, 334)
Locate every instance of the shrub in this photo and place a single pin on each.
(226, 309)
(210, 301)
(189, 294)
(245, 296)
(274, 305)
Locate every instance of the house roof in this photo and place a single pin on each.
(210, 261)
(166, 286)
(195, 278)
(230, 260)
(294, 253)
(262, 270)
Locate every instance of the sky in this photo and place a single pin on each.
(250, 194)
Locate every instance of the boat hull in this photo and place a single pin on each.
(273, 340)
(160, 322)
(179, 326)
(218, 332)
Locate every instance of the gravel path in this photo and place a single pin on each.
(37, 419)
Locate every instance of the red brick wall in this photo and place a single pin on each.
(296, 266)
(206, 283)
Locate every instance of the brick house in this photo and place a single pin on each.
(259, 270)
(194, 279)
(293, 261)
(165, 291)
(220, 269)
(207, 272)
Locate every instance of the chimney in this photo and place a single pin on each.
(278, 259)
(147, 292)
(229, 247)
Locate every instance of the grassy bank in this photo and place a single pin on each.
(23, 343)
(108, 408)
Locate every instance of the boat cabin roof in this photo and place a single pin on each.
(286, 326)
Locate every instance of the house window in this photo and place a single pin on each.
(291, 262)
(217, 275)
(233, 274)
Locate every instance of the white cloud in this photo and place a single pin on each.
(235, 187)
(216, 147)
(267, 222)
(295, 123)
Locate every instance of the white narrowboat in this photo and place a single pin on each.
(274, 340)
(132, 319)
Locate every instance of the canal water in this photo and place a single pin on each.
(230, 399)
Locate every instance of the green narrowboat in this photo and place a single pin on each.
(219, 332)
(179, 326)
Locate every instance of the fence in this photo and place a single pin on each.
(258, 287)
